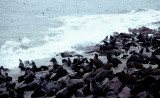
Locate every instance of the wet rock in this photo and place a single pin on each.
(67, 54)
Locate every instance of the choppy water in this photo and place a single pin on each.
(34, 29)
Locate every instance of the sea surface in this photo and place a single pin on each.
(39, 29)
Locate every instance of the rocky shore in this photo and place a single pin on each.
(125, 65)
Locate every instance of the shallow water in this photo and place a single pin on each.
(33, 29)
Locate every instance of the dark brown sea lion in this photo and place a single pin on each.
(64, 93)
(124, 56)
(135, 58)
(147, 49)
(86, 89)
(97, 63)
(157, 51)
(112, 60)
(86, 75)
(75, 83)
(107, 66)
(147, 81)
(59, 73)
(125, 78)
(135, 65)
(4, 95)
(102, 75)
(141, 51)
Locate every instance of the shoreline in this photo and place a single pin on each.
(102, 50)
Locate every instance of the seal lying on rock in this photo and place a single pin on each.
(112, 60)
(27, 77)
(135, 65)
(59, 73)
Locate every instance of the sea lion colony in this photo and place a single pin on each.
(136, 53)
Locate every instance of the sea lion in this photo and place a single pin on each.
(10, 85)
(4, 69)
(147, 81)
(111, 94)
(66, 62)
(135, 58)
(4, 95)
(157, 51)
(124, 56)
(65, 92)
(147, 49)
(27, 77)
(21, 65)
(95, 88)
(54, 61)
(135, 65)
(154, 89)
(86, 75)
(44, 67)
(155, 59)
(125, 78)
(99, 77)
(34, 67)
(79, 93)
(141, 51)
(112, 60)
(125, 93)
(113, 85)
(144, 94)
(12, 93)
(38, 92)
(97, 63)
(86, 89)
(59, 73)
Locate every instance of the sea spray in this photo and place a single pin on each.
(76, 30)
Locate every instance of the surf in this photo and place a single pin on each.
(76, 31)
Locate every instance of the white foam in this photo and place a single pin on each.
(77, 30)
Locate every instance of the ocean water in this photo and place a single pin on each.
(34, 29)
